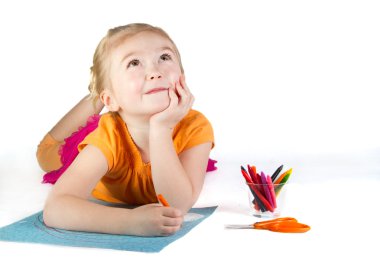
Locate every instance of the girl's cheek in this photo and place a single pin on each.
(174, 77)
(174, 71)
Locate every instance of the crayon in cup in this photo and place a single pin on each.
(265, 199)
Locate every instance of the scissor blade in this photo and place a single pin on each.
(238, 226)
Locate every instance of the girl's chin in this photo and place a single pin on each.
(158, 107)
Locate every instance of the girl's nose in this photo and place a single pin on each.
(155, 76)
(153, 73)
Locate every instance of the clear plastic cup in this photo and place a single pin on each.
(266, 200)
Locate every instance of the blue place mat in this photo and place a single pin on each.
(33, 230)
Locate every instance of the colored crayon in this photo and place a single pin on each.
(285, 179)
(245, 174)
(163, 200)
(262, 199)
(251, 186)
(257, 201)
(266, 188)
(256, 177)
(260, 184)
(275, 174)
(278, 180)
(271, 190)
(280, 185)
(252, 173)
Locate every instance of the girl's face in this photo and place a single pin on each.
(142, 69)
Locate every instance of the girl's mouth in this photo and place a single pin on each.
(156, 90)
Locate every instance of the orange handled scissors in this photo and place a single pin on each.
(282, 224)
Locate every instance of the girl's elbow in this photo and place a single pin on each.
(48, 216)
(185, 209)
(49, 213)
(184, 206)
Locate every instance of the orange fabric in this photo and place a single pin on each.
(47, 153)
(129, 179)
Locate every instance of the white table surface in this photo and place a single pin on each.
(336, 194)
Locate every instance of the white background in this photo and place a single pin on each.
(272, 76)
(294, 82)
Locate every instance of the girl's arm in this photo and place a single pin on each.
(178, 178)
(75, 118)
(68, 207)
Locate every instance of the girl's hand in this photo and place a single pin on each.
(181, 101)
(155, 220)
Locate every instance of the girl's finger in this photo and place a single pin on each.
(169, 230)
(192, 101)
(172, 221)
(173, 98)
(175, 88)
(172, 212)
(181, 92)
(183, 83)
(184, 98)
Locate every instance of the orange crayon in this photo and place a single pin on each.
(163, 200)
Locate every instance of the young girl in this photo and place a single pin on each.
(150, 142)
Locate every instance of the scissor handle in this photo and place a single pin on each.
(289, 227)
(284, 225)
(266, 223)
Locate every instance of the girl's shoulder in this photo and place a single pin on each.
(111, 131)
(193, 119)
(193, 129)
(110, 118)
(111, 122)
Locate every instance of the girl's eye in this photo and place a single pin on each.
(134, 62)
(165, 57)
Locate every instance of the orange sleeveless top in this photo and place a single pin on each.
(129, 179)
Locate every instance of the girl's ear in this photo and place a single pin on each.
(108, 100)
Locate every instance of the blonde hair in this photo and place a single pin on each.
(115, 36)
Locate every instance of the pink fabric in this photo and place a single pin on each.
(211, 165)
(69, 150)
